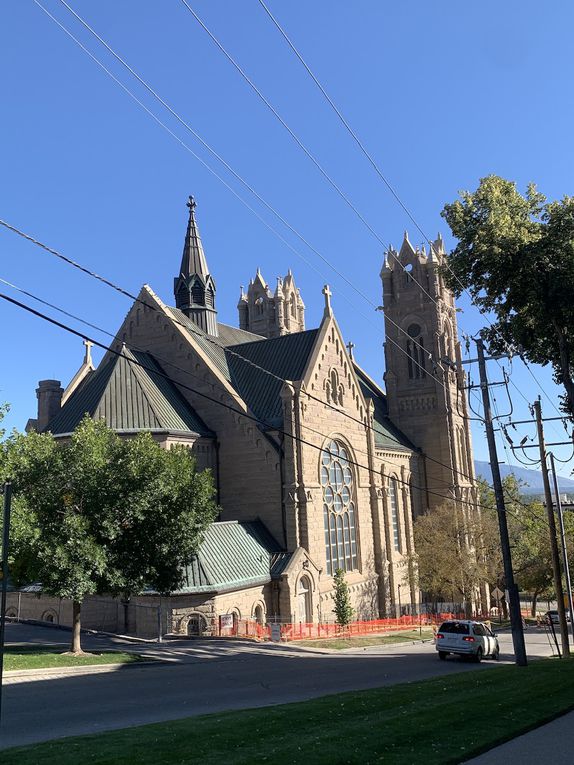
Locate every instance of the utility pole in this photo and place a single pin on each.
(7, 491)
(557, 574)
(563, 540)
(515, 615)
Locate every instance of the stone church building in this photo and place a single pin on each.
(317, 467)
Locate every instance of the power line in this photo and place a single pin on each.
(299, 142)
(242, 413)
(220, 159)
(344, 121)
(130, 295)
(379, 172)
(207, 146)
(242, 358)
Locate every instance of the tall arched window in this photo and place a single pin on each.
(293, 306)
(339, 511)
(416, 353)
(394, 503)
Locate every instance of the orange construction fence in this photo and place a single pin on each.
(287, 632)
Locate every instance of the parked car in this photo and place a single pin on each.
(554, 617)
(467, 638)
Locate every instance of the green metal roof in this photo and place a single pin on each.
(129, 397)
(233, 555)
(285, 358)
(387, 435)
(237, 354)
(214, 347)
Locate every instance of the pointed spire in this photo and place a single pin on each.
(193, 258)
(194, 288)
(406, 248)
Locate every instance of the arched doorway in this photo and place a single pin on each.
(304, 603)
(196, 625)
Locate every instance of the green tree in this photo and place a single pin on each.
(515, 255)
(529, 540)
(343, 610)
(450, 552)
(104, 515)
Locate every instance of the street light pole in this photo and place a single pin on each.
(556, 573)
(7, 491)
(563, 540)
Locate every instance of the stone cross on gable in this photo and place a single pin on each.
(350, 347)
(191, 203)
(88, 354)
(327, 293)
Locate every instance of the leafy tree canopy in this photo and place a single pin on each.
(99, 514)
(515, 256)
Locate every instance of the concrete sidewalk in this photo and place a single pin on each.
(553, 742)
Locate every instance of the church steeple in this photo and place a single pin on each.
(194, 288)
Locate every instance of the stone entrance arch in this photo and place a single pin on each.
(196, 625)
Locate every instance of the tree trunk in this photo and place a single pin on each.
(565, 367)
(76, 626)
(534, 604)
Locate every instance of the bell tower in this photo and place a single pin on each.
(423, 377)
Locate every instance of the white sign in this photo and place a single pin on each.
(497, 594)
(226, 621)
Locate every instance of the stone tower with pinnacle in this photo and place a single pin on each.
(423, 377)
(271, 314)
(194, 287)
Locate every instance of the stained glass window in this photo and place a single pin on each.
(394, 503)
(338, 508)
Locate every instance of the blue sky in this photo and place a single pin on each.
(441, 94)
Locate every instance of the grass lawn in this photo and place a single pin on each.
(439, 721)
(48, 656)
(361, 641)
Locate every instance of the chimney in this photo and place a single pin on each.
(49, 394)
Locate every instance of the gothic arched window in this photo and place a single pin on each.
(209, 297)
(259, 306)
(293, 306)
(394, 504)
(339, 511)
(334, 389)
(416, 353)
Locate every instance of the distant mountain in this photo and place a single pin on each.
(531, 479)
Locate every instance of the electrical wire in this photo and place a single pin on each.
(258, 420)
(242, 358)
(383, 178)
(220, 159)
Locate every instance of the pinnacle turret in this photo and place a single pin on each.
(194, 288)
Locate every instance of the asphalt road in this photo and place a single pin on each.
(199, 677)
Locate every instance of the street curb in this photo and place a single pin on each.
(25, 675)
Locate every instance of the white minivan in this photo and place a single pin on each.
(467, 638)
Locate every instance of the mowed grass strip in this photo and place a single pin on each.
(340, 643)
(444, 720)
(50, 656)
